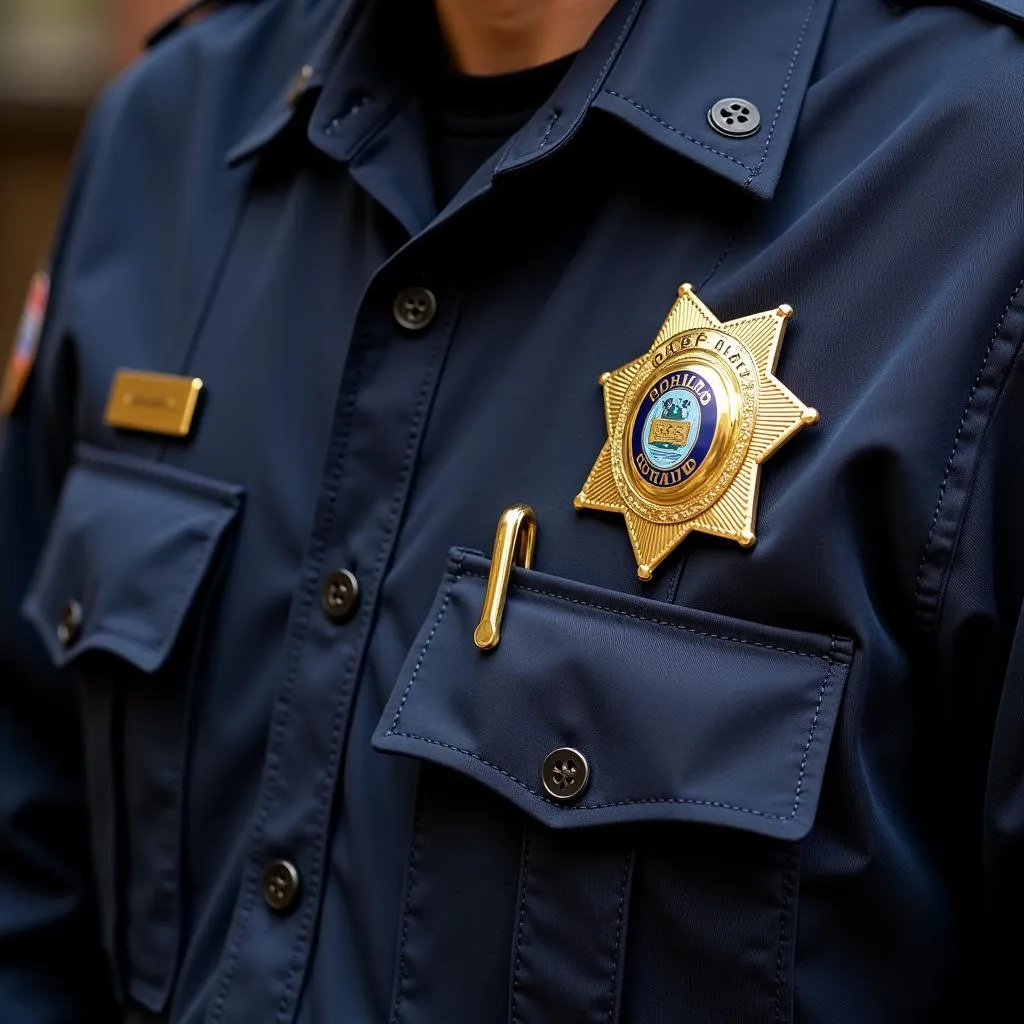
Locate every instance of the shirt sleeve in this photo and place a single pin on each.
(1003, 760)
(1004, 828)
(972, 695)
(52, 967)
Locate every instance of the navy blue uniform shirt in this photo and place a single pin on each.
(268, 799)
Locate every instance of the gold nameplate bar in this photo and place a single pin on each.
(156, 403)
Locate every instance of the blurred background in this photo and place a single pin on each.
(55, 56)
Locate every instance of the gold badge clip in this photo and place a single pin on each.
(514, 544)
(154, 403)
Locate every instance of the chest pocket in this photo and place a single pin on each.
(648, 871)
(120, 598)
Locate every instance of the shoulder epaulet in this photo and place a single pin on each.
(1012, 9)
(195, 10)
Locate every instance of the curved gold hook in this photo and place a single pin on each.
(514, 544)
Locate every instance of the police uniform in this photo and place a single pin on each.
(778, 779)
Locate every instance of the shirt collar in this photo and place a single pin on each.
(656, 65)
(307, 81)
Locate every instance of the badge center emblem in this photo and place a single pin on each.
(688, 424)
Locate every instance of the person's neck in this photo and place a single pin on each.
(495, 37)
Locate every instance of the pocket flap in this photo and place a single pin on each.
(129, 546)
(682, 715)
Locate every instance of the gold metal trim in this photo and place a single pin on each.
(514, 544)
(154, 403)
(757, 414)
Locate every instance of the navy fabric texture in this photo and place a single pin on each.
(805, 800)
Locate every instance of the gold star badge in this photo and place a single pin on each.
(689, 424)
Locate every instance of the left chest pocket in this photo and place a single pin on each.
(120, 598)
(610, 807)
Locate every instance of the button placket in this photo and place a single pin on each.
(366, 521)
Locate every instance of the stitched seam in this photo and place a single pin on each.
(787, 897)
(672, 591)
(798, 790)
(211, 285)
(303, 929)
(813, 729)
(160, 982)
(503, 154)
(157, 473)
(753, 171)
(785, 89)
(293, 658)
(929, 540)
(627, 25)
(196, 657)
(551, 124)
(403, 960)
(325, 801)
(658, 622)
(514, 1010)
(165, 974)
(618, 937)
(459, 572)
(603, 73)
(714, 270)
(362, 142)
(426, 646)
(638, 801)
(689, 138)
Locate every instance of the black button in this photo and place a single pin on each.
(280, 884)
(70, 624)
(340, 595)
(734, 117)
(565, 774)
(415, 308)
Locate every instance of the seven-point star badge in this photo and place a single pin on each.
(689, 424)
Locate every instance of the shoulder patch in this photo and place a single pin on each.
(26, 344)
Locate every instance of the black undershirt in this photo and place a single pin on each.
(471, 117)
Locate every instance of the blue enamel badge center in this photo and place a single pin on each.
(673, 429)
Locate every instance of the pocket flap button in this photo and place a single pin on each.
(565, 774)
